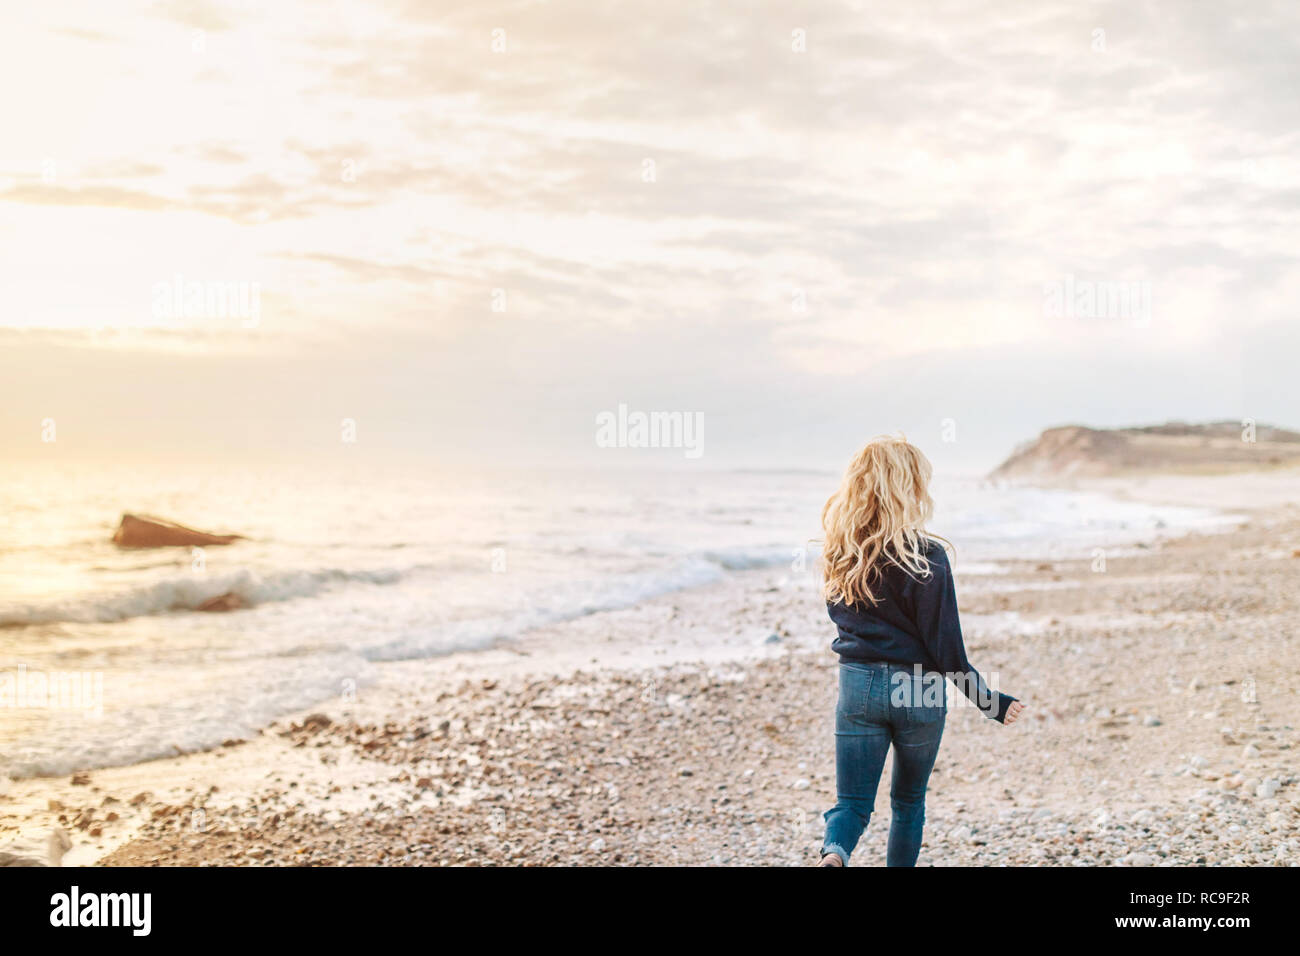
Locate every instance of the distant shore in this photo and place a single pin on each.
(1070, 452)
(694, 728)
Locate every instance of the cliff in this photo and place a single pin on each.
(1075, 451)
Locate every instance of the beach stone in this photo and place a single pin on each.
(229, 601)
(555, 750)
(803, 783)
(1250, 752)
(1268, 788)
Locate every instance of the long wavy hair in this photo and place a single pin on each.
(876, 518)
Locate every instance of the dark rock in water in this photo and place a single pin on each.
(230, 601)
(137, 531)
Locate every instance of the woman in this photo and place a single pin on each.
(889, 590)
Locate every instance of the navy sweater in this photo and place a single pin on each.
(915, 623)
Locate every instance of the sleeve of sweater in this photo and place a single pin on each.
(935, 602)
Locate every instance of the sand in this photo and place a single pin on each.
(696, 729)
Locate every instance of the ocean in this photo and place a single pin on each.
(347, 569)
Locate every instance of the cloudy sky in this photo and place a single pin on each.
(473, 227)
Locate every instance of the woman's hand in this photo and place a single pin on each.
(1013, 711)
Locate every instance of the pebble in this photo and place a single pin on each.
(554, 750)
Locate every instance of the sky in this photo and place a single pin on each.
(471, 229)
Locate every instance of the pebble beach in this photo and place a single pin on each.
(695, 729)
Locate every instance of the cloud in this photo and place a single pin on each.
(199, 14)
(109, 197)
(643, 181)
(76, 33)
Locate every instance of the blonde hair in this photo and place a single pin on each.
(876, 518)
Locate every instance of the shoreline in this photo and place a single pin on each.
(415, 752)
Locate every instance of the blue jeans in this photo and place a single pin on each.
(880, 704)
